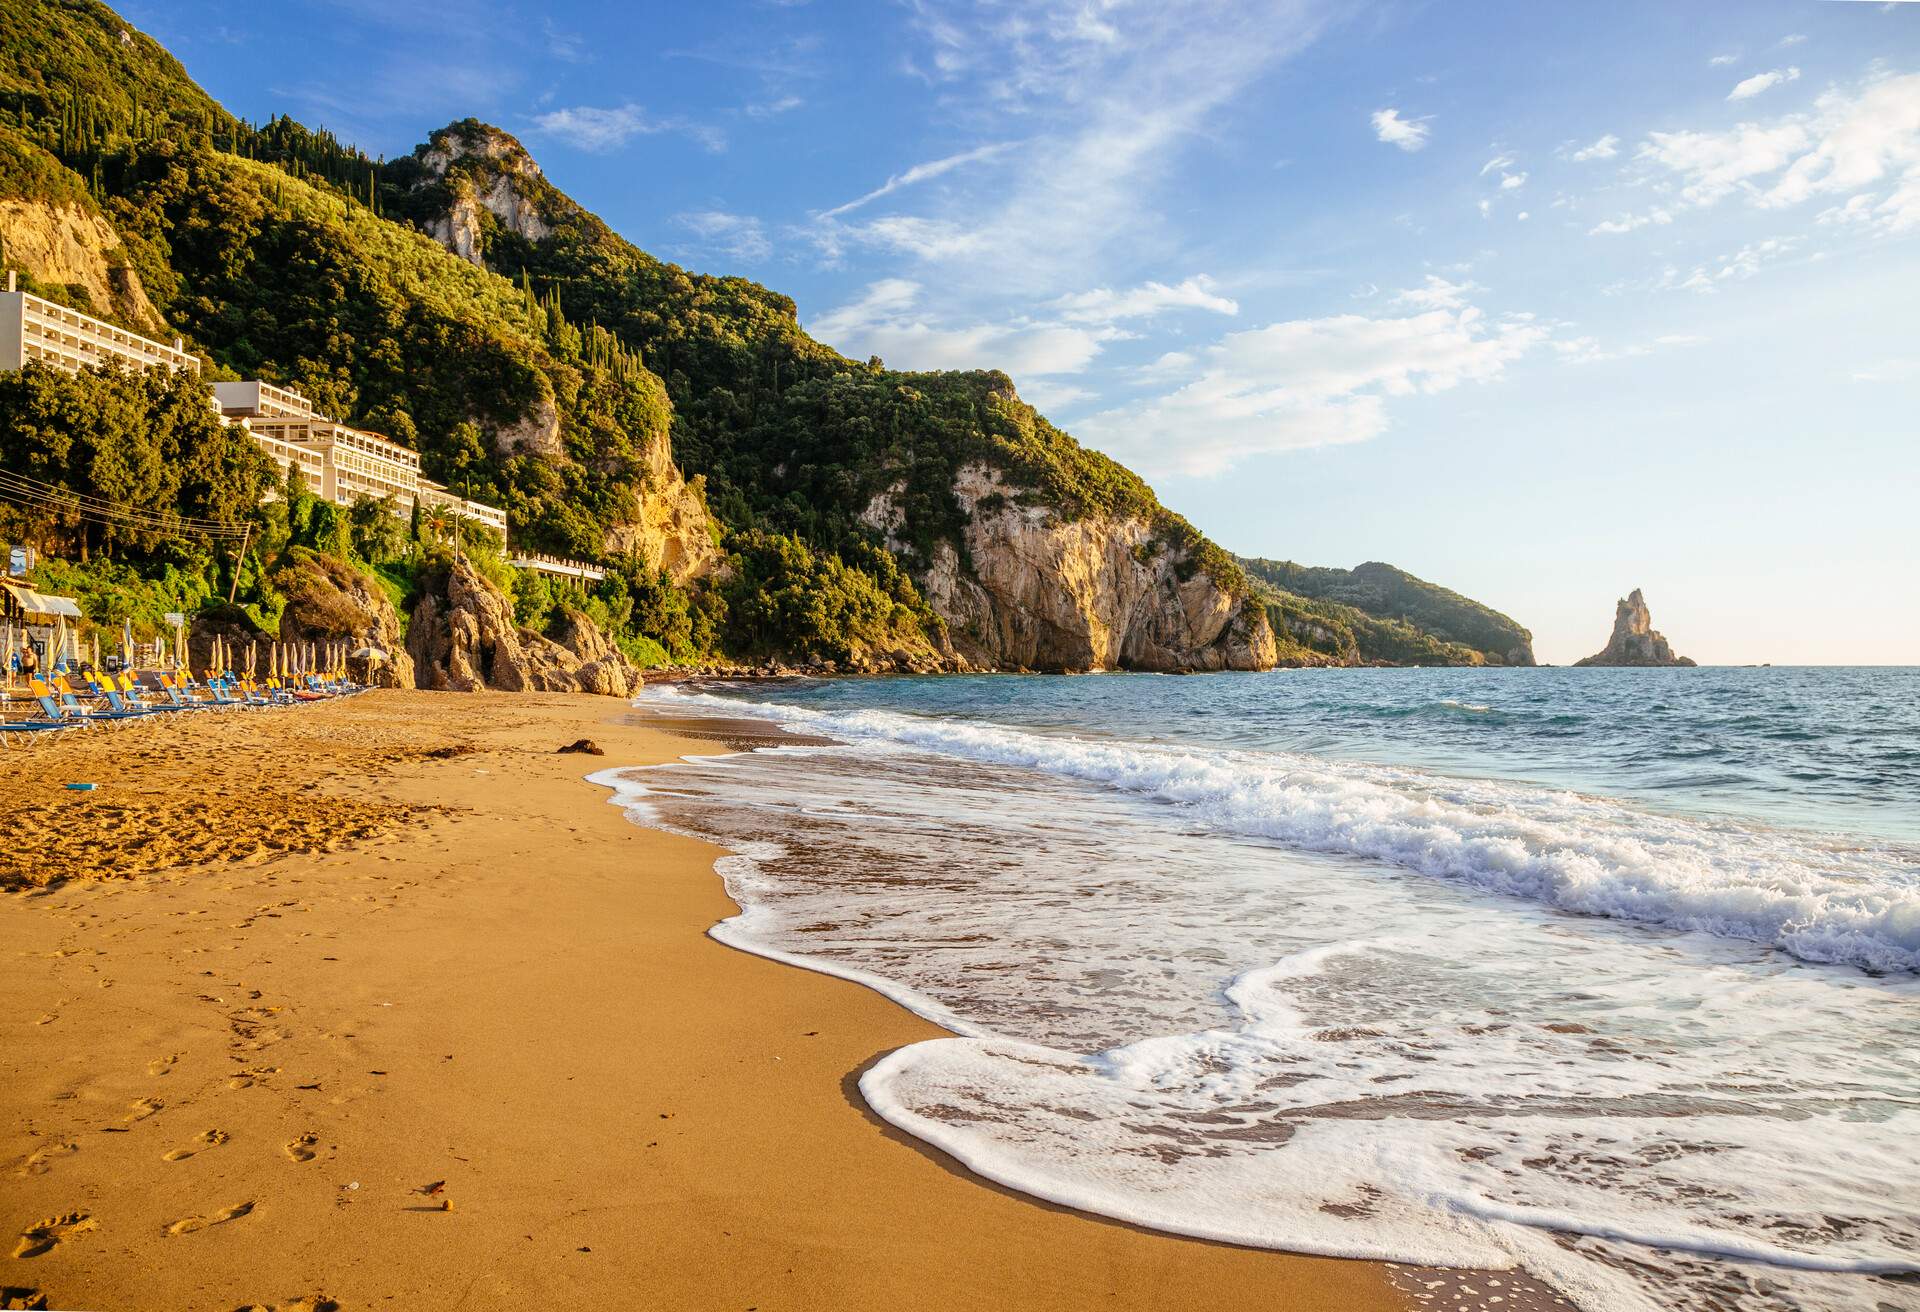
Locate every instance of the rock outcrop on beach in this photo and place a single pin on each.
(463, 638)
(329, 600)
(1634, 641)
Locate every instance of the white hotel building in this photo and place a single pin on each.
(337, 461)
(37, 331)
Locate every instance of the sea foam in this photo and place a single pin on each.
(1188, 992)
(1824, 900)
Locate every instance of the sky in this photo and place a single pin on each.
(1542, 302)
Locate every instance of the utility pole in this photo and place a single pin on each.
(233, 587)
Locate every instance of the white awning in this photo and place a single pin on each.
(39, 603)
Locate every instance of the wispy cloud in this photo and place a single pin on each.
(1310, 382)
(1605, 148)
(890, 320)
(920, 173)
(1105, 305)
(774, 108)
(738, 236)
(1630, 223)
(1407, 133)
(1748, 88)
(1850, 144)
(568, 46)
(589, 128)
(1099, 112)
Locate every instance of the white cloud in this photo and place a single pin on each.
(1406, 133)
(1308, 382)
(1437, 293)
(1734, 266)
(1849, 143)
(737, 236)
(1102, 111)
(561, 44)
(1512, 181)
(920, 173)
(1713, 165)
(1721, 61)
(924, 239)
(775, 108)
(1629, 223)
(1104, 305)
(1888, 371)
(1793, 40)
(1605, 148)
(888, 321)
(1051, 397)
(1501, 161)
(589, 128)
(1753, 86)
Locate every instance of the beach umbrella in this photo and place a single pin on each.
(367, 654)
(96, 650)
(126, 644)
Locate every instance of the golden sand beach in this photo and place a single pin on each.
(374, 1003)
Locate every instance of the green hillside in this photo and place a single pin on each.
(1377, 613)
(564, 373)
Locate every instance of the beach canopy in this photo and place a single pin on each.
(39, 603)
(367, 654)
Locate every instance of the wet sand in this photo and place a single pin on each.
(375, 1003)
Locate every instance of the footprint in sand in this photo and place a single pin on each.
(253, 1075)
(210, 1139)
(162, 1065)
(41, 1160)
(186, 1225)
(304, 1148)
(141, 1108)
(19, 1296)
(43, 1237)
(312, 1303)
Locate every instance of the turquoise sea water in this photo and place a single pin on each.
(1607, 974)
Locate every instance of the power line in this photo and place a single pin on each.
(108, 514)
(35, 487)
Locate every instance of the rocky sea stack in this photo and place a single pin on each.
(1634, 641)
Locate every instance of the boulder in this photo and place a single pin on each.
(329, 600)
(463, 638)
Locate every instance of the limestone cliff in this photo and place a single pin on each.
(1634, 641)
(484, 171)
(69, 248)
(472, 185)
(463, 638)
(1039, 590)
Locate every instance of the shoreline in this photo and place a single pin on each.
(501, 985)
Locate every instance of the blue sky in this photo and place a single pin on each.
(1543, 302)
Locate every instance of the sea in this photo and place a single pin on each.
(1612, 976)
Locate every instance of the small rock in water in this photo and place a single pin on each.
(584, 745)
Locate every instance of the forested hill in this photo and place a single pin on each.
(771, 496)
(1376, 613)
